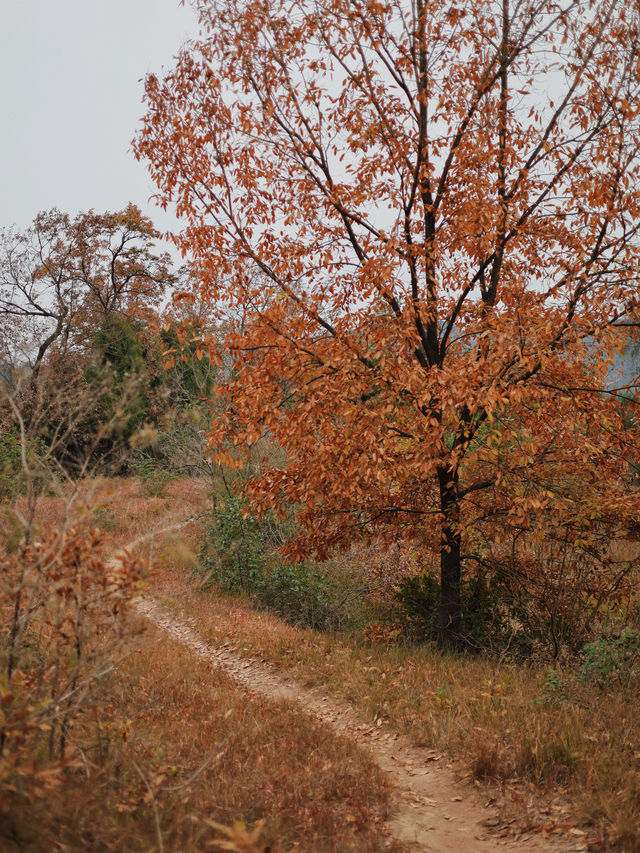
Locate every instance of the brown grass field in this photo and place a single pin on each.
(171, 743)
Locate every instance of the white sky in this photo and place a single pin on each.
(71, 99)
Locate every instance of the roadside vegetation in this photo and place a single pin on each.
(558, 735)
(172, 748)
(115, 738)
(554, 740)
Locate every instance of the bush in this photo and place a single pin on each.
(65, 621)
(154, 479)
(241, 555)
(10, 464)
(311, 595)
(13, 479)
(490, 615)
(235, 552)
(610, 659)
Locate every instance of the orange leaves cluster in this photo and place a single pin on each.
(65, 619)
(420, 218)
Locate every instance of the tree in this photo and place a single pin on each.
(81, 367)
(427, 214)
(62, 275)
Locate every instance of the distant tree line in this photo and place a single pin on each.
(83, 338)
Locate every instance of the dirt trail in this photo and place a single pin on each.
(435, 812)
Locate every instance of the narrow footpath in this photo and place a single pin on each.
(435, 812)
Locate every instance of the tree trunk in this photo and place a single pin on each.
(450, 610)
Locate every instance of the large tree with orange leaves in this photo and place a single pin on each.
(427, 213)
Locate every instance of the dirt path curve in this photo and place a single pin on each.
(435, 812)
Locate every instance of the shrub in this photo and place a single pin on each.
(612, 658)
(153, 478)
(65, 621)
(10, 464)
(241, 555)
(235, 552)
(569, 582)
(312, 595)
(490, 614)
(13, 478)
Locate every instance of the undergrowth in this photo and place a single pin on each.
(177, 748)
(240, 554)
(556, 730)
(163, 752)
(563, 741)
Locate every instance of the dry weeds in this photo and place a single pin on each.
(564, 753)
(178, 744)
(173, 755)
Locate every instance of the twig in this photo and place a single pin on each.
(167, 529)
(201, 769)
(153, 805)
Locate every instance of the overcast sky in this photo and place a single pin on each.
(71, 99)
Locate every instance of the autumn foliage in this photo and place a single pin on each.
(423, 221)
(63, 275)
(66, 621)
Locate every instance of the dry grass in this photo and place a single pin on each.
(123, 508)
(169, 749)
(535, 733)
(175, 744)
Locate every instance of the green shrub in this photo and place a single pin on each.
(153, 478)
(311, 595)
(490, 615)
(235, 552)
(10, 465)
(118, 355)
(554, 689)
(418, 598)
(121, 376)
(612, 658)
(241, 555)
(13, 478)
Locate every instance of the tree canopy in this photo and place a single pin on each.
(426, 215)
(63, 274)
